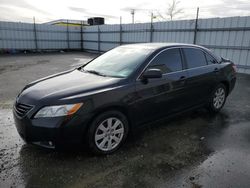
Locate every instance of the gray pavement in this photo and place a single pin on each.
(191, 150)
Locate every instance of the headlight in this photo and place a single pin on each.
(56, 111)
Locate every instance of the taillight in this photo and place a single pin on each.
(234, 67)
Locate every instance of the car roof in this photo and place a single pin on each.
(156, 46)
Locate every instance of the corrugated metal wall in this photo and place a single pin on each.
(227, 37)
(25, 36)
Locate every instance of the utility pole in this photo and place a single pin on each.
(133, 15)
(196, 25)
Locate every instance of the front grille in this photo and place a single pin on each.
(22, 109)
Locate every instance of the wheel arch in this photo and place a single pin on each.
(114, 107)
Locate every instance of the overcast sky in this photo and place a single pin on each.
(48, 10)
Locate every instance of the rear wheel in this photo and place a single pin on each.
(107, 132)
(218, 98)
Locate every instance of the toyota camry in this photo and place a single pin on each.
(102, 101)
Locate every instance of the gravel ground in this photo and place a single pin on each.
(191, 150)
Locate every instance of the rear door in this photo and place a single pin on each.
(161, 96)
(202, 72)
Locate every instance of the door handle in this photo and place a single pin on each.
(182, 80)
(216, 70)
(182, 77)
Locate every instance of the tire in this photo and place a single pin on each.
(217, 99)
(107, 132)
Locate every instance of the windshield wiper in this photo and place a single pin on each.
(94, 72)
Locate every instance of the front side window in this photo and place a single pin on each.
(167, 61)
(119, 62)
(194, 57)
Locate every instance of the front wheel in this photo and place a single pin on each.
(218, 99)
(107, 132)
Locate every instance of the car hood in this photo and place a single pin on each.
(65, 85)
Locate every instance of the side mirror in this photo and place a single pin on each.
(152, 73)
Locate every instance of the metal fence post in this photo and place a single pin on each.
(196, 25)
(120, 31)
(151, 28)
(98, 38)
(68, 34)
(81, 33)
(35, 34)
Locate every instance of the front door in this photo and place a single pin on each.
(159, 97)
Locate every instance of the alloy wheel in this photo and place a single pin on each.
(109, 134)
(219, 98)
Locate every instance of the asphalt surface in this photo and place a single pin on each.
(191, 150)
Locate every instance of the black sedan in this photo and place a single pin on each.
(127, 87)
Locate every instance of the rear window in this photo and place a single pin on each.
(210, 59)
(194, 57)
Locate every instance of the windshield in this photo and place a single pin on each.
(119, 62)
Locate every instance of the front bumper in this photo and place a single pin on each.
(52, 132)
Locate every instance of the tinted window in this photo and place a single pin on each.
(194, 57)
(167, 61)
(210, 59)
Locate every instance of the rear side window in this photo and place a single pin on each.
(194, 57)
(167, 61)
(210, 59)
